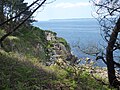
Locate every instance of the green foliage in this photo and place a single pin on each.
(64, 42)
(11, 8)
(76, 79)
(18, 72)
(30, 42)
(2, 32)
(26, 73)
(21, 68)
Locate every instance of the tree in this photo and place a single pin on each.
(9, 9)
(24, 18)
(109, 18)
(2, 11)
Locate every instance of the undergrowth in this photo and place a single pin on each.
(21, 67)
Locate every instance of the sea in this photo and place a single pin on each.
(80, 33)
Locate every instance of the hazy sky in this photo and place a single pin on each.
(64, 9)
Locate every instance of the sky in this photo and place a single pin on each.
(64, 9)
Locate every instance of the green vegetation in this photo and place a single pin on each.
(63, 41)
(21, 63)
(19, 72)
(30, 42)
(24, 53)
(23, 73)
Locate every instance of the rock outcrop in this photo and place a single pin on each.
(58, 48)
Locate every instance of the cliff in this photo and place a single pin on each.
(37, 43)
(58, 48)
(23, 56)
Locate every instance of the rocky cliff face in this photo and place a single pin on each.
(58, 48)
(40, 44)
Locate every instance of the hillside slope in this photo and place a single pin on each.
(22, 64)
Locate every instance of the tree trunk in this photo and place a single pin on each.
(1, 12)
(109, 55)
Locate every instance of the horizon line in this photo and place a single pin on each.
(66, 19)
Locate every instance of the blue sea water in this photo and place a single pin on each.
(85, 31)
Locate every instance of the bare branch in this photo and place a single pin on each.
(19, 13)
(9, 33)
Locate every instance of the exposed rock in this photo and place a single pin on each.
(50, 36)
(57, 49)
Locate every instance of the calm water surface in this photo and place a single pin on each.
(84, 31)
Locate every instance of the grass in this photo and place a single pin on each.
(21, 67)
(29, 42)
(20, 73)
